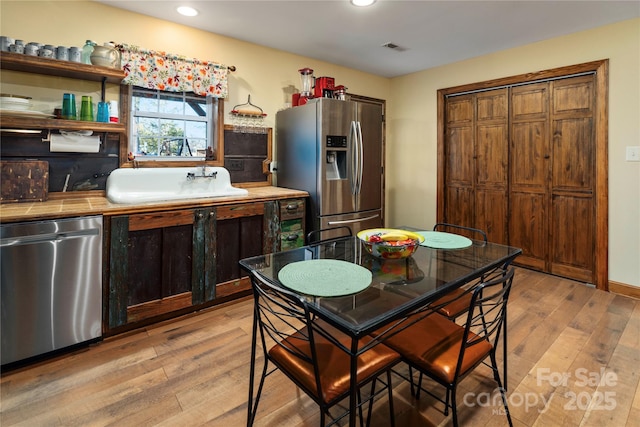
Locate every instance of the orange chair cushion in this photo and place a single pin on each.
(333, 363)
(459, 303)
(433, 345)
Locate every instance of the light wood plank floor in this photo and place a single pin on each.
(574, 360)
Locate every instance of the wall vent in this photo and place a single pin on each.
(394, 46)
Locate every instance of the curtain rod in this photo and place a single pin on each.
(549, 79)
(133, 48)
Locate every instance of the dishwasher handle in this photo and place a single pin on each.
(48, 237)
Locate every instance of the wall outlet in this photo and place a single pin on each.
(633, 154)
(234, 164)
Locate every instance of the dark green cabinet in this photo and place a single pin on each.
(291, 220)
(161, 264)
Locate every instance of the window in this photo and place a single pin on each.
(173, 125)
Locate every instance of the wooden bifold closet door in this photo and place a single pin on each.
(521, 162)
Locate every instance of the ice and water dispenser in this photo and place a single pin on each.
(336, 152)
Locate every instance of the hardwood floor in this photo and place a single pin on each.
(574, 360)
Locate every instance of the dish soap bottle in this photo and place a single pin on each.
(87, 50)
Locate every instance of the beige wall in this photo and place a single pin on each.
(411, 167)
(269, 74)
(266, 74)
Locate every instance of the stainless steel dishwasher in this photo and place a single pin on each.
(51, 286)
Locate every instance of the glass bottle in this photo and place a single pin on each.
(87, 50)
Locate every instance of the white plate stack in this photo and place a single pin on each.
(14, 102)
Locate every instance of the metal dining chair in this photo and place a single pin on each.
(312, 355)
(461, 229)
(456, 303)
(447, 352)
(323, 235)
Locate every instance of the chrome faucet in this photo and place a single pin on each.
(203, 174)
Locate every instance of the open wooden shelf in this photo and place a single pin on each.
(7, 121)
(55, 67)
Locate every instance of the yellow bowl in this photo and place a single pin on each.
(390, 243)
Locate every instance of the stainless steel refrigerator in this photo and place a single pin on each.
(333, 150)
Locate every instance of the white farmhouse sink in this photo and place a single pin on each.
(126, 185)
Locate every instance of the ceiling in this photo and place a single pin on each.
(428, 33)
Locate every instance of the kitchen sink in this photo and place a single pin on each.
(136, 185)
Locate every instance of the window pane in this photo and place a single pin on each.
(198, 146)
(148, 146)
(146, 126)
(144, 101)
(171, 124)
(196, 129)
(170, 146)
(171, 104)
(196, 107)
(171, 127)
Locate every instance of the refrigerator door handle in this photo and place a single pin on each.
(361, 156)
(351, 221)
(353, 147)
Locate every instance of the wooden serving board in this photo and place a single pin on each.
(24, 181)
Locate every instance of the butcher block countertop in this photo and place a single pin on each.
(61, 205)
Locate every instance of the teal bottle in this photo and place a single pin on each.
(87, 50)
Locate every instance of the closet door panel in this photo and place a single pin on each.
(491, 214)
(529, 156)
(572, 220)
(574, 96)
(529, 173)
(492, 155)
(460, 110)
(573, 155)
(460, 154)
(530, 102)
(492, 105)
(460, 206)
(528, 228)
(572, 245)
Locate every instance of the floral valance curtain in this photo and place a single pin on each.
(163, 71)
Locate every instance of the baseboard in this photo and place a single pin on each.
(624, 289)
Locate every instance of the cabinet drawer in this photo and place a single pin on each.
(239, 211)
(291, 234)
(291, 208)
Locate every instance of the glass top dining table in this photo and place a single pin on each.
(397, 288)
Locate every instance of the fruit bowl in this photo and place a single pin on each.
(390, 243)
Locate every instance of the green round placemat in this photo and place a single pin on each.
(325, 277)
(441, 240)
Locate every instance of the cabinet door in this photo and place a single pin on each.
(239, 230)
(158, 264)
(242, 231)
(292, 229)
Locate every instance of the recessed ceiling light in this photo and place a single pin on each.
(362, 2)
(187, 11)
